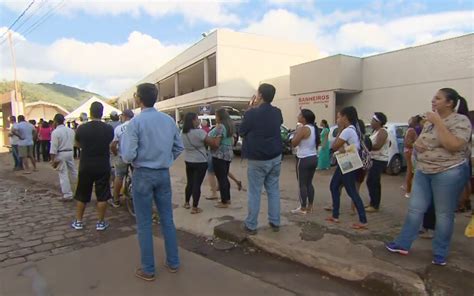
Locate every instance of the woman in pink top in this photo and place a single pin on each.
(45, 135)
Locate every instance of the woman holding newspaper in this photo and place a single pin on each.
(347, 144)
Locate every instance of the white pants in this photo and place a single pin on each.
(67, 172)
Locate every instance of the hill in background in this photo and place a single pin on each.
(66, 96)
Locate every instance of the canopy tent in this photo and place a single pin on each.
(84, 108)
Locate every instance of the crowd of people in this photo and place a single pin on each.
(437, 150)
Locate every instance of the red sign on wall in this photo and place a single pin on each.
(314, 99)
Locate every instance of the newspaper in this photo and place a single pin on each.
(350, 160)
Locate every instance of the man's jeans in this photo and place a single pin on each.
(149, 185)
(444, 189)
(263, 173)
(16, 157)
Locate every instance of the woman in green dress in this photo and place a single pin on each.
(324, 162)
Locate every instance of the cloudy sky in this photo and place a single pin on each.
(107, 45)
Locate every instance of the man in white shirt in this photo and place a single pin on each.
(62, 156)
(14, 143)
(119, 165)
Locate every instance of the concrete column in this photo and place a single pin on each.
(206, 72)
(176, 84)
(176, 115)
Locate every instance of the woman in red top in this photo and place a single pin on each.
(45, 135)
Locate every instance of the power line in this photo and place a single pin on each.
(42, 19)
(39, 21)
(18, 18)
(38, 8)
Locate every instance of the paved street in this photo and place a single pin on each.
(37, 244)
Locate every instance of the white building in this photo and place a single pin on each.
(224, 68)
(399, 83)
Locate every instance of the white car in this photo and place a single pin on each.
(396, 136)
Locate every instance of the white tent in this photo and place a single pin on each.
(85, 108)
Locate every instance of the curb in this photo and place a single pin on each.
(333, 254)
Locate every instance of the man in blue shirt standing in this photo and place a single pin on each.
(262, 147)
(152, 143)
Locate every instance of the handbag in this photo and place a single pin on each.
(364, 152)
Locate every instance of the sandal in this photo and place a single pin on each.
(359, 226)
(212, 198)
(239, 185)
(222, 205)
(196, 210)
(186, 206)
(328, 208)
(332, 220)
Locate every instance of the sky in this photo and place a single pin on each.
(106, 46)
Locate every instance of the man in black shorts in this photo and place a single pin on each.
(94, 138)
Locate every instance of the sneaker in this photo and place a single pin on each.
(248, 230)
(371, 210)
(171, 269)
(77, 225)
(102, 225)
(439, 260)
(299, 210)
(427, 234)
(139, 273)
(407, 195)
(113, 203)
(274, 227)
(394, 248)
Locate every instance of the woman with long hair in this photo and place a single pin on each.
(324, 162)
(307, 141)
(411, 135)
(348, 122)
(221, 151)
(441, 173)
(195, 156)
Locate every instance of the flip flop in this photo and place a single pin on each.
(358, 226)
(332, 220)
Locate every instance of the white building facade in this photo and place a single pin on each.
(223, 69)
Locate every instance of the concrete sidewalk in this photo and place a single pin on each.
(108, 269)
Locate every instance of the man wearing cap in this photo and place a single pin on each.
(119, 164)
(62, 155)
(115, 119)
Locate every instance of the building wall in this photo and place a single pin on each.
(402, 83)
(244, 60)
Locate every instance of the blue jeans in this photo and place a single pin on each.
(16, 156)
(349, 182)
(154, 185)
(263, 173)
(444, 189)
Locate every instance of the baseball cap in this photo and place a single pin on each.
(128, 113)
(113, 113)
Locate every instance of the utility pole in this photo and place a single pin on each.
(18, 99)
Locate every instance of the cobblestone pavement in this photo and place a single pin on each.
(35, 223)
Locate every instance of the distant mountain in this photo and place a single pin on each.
(66, 96)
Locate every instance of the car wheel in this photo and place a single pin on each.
(395, 166)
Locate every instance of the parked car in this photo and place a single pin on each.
(396, 137)
(286, 135)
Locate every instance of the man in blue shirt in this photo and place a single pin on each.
(262, 145)
(152, 142)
